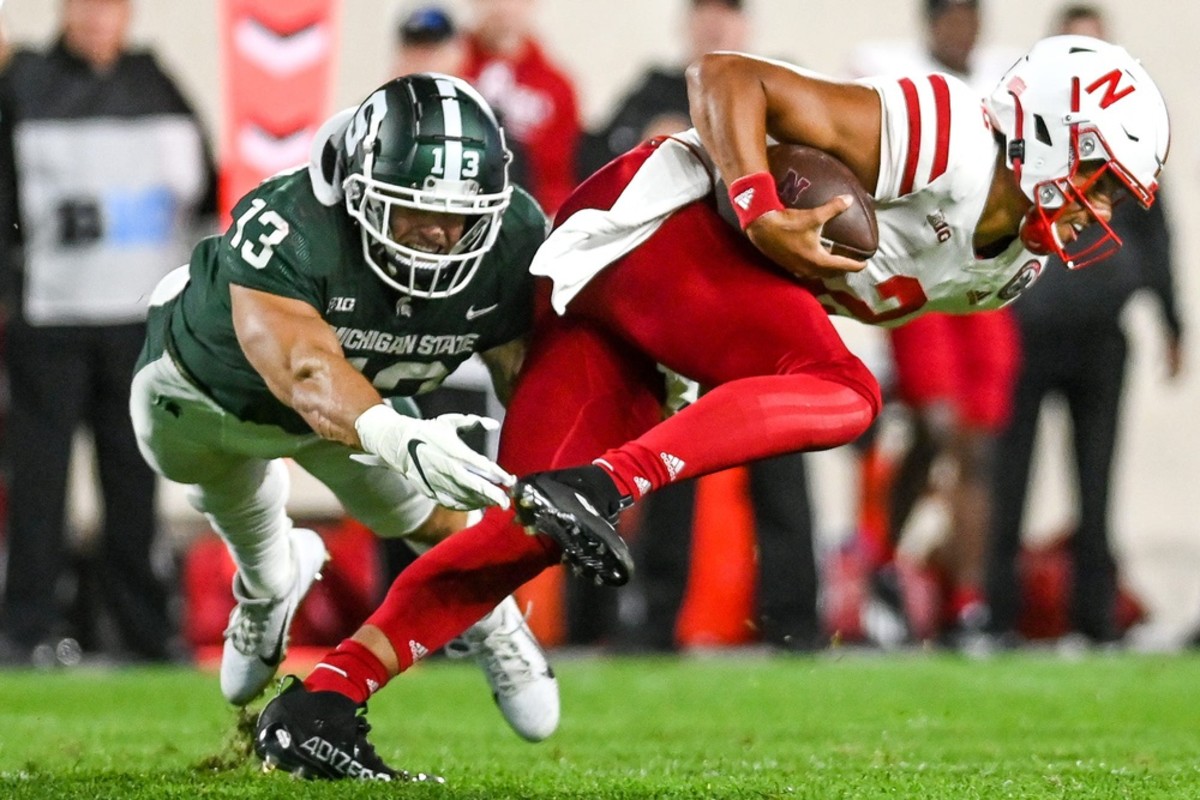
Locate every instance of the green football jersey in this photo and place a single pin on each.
(284, 241)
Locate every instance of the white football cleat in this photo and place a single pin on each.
(523, 684)
(257, 635)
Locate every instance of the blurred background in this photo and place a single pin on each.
(603, 48)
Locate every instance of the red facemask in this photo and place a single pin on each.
(1039, 230)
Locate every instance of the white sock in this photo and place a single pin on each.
(255, 528)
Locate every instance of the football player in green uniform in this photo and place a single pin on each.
(338, 293)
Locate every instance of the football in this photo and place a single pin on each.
(806, 178)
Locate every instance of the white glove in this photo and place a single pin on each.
(430, 454)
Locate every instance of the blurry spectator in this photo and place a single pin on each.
(7, 211)
(111, 169)
(658, 104)
(1074, 347)
(786, 614)
(953, 373)
(1082, 19)
(535, 101)
(787, 580)
(427, 40)
(951, 44)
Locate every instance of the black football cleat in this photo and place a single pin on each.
(577, 508)
(320, 735)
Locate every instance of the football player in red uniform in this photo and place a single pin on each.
(644, 270)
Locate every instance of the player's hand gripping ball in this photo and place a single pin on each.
(806, 178)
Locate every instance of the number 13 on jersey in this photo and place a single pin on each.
(257, 252)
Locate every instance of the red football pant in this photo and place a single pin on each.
(696, 297)
(967, 361)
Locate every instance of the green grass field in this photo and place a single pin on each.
(1022, 726)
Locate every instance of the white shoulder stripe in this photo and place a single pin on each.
(452, 116)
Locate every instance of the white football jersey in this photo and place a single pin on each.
(936, 164)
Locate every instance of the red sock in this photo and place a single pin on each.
(741, 421)
(451, 587)
(962, 598)
(351, 669)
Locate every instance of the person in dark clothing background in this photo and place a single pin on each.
(1074, 346)
(429, 40)
(786, 615)
(7, 211)
(658, 104)
(534, 98)
(112, 181)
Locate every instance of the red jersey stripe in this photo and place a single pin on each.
(913, 107)
(941, 104)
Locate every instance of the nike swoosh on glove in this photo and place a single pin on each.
(431, 454)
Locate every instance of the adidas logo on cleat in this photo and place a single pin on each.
(344, 763)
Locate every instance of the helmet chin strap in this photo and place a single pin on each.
(1016, 145)
(1040, 236)
(1038, 233)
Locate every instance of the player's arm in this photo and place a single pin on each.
(737, 101)
(503, 363)
(299, 357)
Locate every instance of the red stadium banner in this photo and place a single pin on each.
(278, 61)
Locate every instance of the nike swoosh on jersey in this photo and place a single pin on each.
(473, 312)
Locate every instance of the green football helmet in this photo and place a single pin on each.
(425, 143)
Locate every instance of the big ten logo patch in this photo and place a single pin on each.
(941, 228)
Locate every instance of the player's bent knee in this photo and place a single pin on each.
(853, 373)
(870, 411)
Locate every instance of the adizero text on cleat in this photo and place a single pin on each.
(320, 735)
(568, 506)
